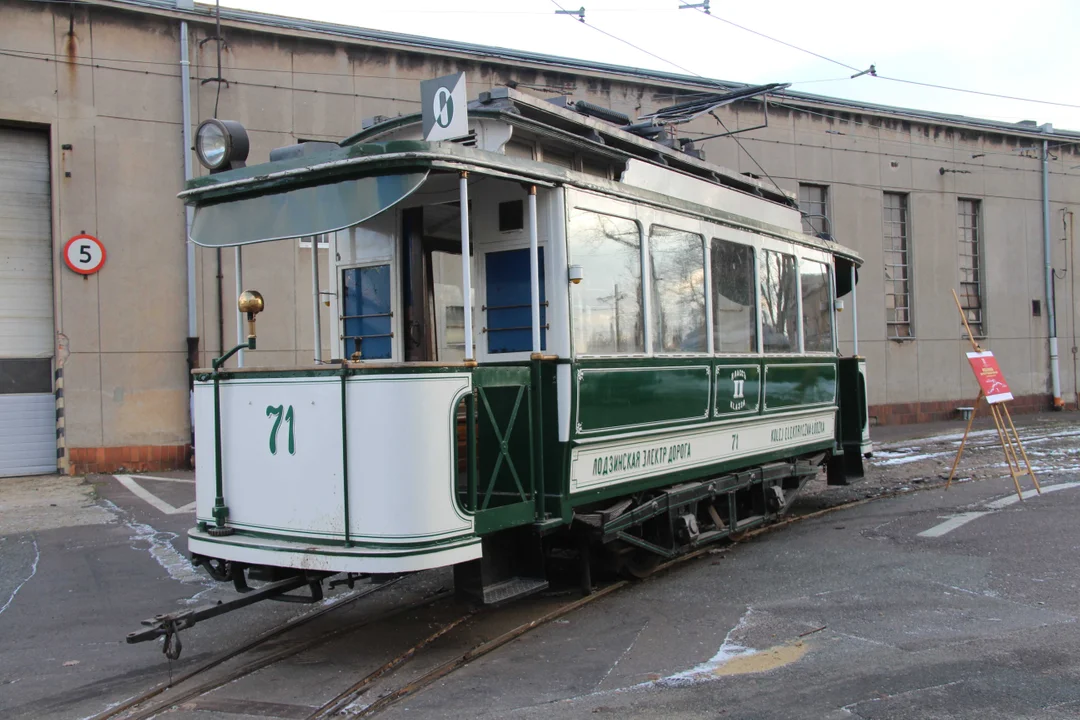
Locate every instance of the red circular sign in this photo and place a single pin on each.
(84, 254)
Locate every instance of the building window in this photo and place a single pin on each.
(734, 293)
(779, 303)
(677, 262)
(817, 306)
(814, 206)
(897, 267)
(606, 306)
(971, 275)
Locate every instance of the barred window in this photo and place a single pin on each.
(971, 276)
(814, 206)
(897, 267)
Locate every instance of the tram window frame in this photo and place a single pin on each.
(576, 310)
(830, 305)
(753, 290)
(655, 304)
(794, 341)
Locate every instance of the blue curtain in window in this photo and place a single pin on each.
(509, 306)
(367, 311)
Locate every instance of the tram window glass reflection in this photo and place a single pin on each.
(733, 294)
(367, 318)
(447, 306)
(779, 304)
(606, 306)
(677, 266)
(817, 306)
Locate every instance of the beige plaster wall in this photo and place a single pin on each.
(107, 82)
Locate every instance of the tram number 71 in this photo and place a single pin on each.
(276, 412)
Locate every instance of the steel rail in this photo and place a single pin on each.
(270, 634)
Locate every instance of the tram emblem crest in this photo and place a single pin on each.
(738, 380)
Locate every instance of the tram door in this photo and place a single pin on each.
(432, 294)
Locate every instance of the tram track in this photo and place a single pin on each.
(132, 709)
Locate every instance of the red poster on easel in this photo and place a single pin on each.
(989, 377)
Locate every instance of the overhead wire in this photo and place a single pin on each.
(874, 74)
(626, 42)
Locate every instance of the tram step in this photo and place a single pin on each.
(511, 589)
(750, 521)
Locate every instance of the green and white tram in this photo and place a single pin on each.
(562, 329)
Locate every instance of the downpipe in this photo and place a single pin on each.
(192, 313)
(1055, 376)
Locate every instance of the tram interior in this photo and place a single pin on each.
(397, 290)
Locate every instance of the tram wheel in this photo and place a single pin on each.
(640, 563)
(220, 570)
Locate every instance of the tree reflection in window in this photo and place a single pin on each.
(678, 291)
(779, 303)
(606, 307)
(817, 306)
(733, 292)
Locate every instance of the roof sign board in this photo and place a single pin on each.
(444, 107)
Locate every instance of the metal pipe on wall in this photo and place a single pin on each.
(189, 213)
(1055, 378)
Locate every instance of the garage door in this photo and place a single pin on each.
(27, 405)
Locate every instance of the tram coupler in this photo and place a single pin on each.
(169, 625)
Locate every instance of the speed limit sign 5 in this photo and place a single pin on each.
(84, 254)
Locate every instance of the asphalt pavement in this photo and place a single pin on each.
(930, 604)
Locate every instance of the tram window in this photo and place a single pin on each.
(367, 317)
(733, 296)
(779, 304)
(677, 266)
(448, 306)
(606, 307)
(817, 306)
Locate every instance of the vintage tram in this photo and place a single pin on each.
(562, 329)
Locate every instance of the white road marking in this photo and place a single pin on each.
(139, 491)
(1014, 498)
(952, 523)
(189, 481)
(993, 506)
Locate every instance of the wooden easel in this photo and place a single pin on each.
(1010, 440)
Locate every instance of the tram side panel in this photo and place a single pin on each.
(324, 474)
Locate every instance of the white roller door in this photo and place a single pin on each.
(27, 405)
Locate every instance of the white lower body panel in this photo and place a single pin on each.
(329, 558)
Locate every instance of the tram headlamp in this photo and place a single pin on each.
(221, 145)
(251, 302)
